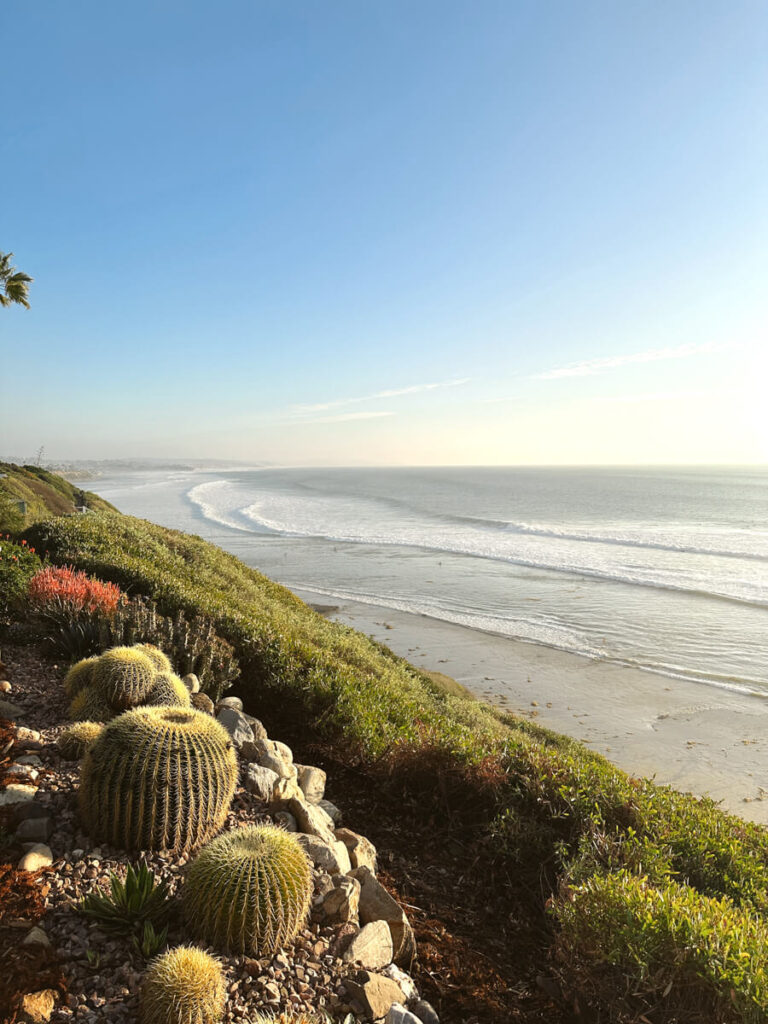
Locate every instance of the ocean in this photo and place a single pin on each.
(659, 569)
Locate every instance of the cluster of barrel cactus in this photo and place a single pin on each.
(158, 778)
(249, 890)
(120, 679)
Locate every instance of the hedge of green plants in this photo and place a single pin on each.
(595, 837)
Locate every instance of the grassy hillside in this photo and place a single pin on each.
(657, 900)
(45, 494)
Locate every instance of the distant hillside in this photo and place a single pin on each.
(43, 495)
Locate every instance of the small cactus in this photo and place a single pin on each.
(183, 986)
(124, 676)
(168, 691)
(75, 740)
(156, 656)
(79, 676)
(89, 706)
(288, 1018)
(249, 890)
(202, 702)
(158, 779)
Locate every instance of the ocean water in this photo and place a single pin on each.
(661, 569)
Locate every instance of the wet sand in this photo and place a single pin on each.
(697, 738)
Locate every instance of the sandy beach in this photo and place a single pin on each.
(696, 738)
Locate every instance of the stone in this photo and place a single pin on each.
(36, 937)
(330, 856)
(258, 729)
(235, 724)
(229, 702)
(285, 790)
(9, 710)
(312, 819)
(372, 947)
(312, 782)
(30, 759)
(375, 993)
(34, 830)
(5, 686)
(286, 820)
(202, 702)
(405, 981)
(362, 852)
(37, 1007)
(424, 1011)
(340, 904)
(39, 856)
(191, 682)
(23, 770)
(376, 904)
(16, 793)
(260, 781)
(27, 739)
(30, 809)
(331, 810)
(397, 1014)
(342, 939)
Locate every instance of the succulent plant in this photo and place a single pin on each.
(75, 740)
(90, 706)
(79, 675)
(168, 691)
(249, 890)
(290, 1018)
(202, 702)
(124, 676)
(158, 779)
(156, 656)
(183, 986)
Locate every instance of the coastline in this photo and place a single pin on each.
(697, 738)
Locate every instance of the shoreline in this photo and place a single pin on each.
(696, 738)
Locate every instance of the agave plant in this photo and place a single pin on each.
(131, 904)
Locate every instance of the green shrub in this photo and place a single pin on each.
(18, 564)
(249, 890)
(183, 986)
(158, 779)
(628, 944)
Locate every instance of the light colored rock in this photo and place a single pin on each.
(362, 852)
(286, 820)
(312, 781)
(23, 770)
(260, 781)
(36, 937)
(191, 682)
(39, 856)
(285, 790)
(27, 739)
(375, 992)
(340, 904)
(376, 904)
(397, 1014)
(34, 830)
(16, 794)
(10, 710)
(5, 686)
(372, 947)
(30, 759)
(405, 981)
(332, 811)
(229, 702)
(330, 856)
(37, 1007)
(312, 819)
(424, 1012)
(236, 725)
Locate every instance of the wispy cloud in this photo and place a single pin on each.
(389, 393)
(344, 417)
(593, 366)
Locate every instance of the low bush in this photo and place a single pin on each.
(18, 564)
(629, 945)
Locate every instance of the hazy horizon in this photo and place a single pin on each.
(424, 234)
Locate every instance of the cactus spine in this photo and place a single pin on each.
(249, 890)
(124, 677)
(75, 740)
(168, 691)
(88, 705)
(158, 779)
(156, 656)
(183, 986)
(79, 676)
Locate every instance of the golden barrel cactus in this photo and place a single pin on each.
(183, 986)
(79, 676)
(158, 779)
(156, 656)
(75, 740)
(249, 890)
(168, 691)
(88, 705)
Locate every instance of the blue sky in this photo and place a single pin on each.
(412, 232)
